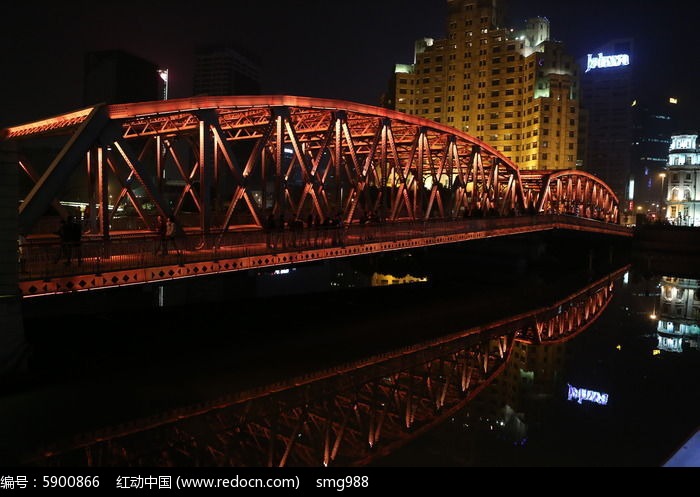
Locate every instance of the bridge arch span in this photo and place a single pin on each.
(571, 192)
(214, 163)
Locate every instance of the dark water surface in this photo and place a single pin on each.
(90, 372)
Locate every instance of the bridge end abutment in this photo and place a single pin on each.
(13, 347)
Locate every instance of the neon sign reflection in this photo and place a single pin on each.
(581, 394)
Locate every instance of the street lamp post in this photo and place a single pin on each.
(663, 196)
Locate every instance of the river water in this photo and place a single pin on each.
(622, 392)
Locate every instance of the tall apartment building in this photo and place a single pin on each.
(226, 70)
(515, 90)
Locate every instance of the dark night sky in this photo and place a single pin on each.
(323, 48)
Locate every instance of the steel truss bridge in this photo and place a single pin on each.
(348, 415)
(221, 166)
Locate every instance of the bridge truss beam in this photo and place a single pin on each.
(221, 163)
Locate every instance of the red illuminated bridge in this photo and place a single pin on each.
(336, 178)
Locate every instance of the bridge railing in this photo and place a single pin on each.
(49, 258)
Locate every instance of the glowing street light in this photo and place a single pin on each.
(163, 73)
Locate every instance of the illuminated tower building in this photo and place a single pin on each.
(515, 90)
(607, 94)
(682, 192)
(679, 314)
(115, 76)
(226, 70)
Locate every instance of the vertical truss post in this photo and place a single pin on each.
(206, 174)
(382, 188)
(92, 178)
(279, 114)
(103, 193)
(160, 155)
(338, 154)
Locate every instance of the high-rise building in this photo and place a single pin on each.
(682, 192)
(653, 121)
(515, 90)
(116, 76)
(607, 94)
(226, 70)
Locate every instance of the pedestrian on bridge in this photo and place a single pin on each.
(70, 233)
(161, 229)
(170, 230)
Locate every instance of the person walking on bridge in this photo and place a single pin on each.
(161, 242)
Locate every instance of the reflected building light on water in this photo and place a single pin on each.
(679, 314)
(379, 279)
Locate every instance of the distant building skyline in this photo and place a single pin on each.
(654, 122)
(225, 69)
(117, 76)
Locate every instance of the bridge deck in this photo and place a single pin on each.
(134, 259)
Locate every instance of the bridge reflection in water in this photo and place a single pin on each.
(348, 415)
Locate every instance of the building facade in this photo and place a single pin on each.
(225, 70)
(116, 76)
(682, 192)
(607, 95)
(515, 90)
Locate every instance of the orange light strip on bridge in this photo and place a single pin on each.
(184, 105)
(50, 124)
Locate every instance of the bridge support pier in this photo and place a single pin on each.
(13, 347)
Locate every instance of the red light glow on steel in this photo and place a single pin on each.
(186, 105)
(50, 124)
